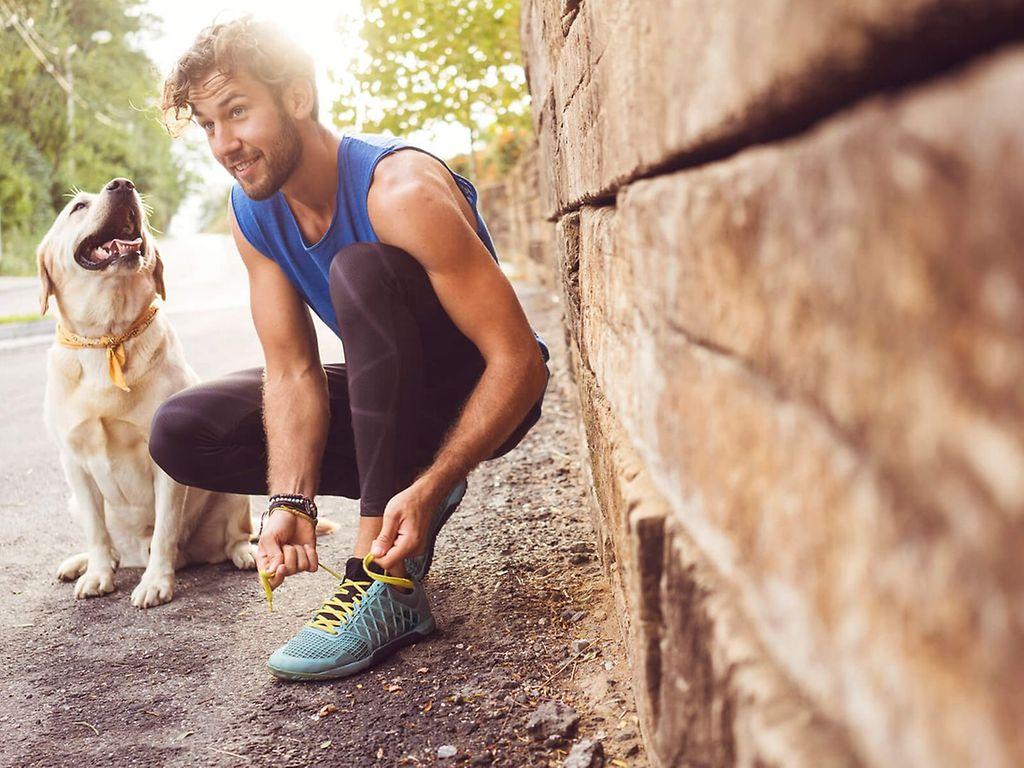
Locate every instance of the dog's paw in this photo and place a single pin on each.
(243, 555)
(325, 527)
(73, 567)
(95, 582)
(153, 589)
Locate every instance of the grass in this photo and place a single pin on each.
(30, 318)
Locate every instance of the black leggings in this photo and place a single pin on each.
(407, 373)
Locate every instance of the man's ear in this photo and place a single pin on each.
(299, 96)
(46, 287)
(158, 274)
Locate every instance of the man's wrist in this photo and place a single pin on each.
(297, 505)
(437, 482)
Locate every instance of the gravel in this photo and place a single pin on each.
(102, 683)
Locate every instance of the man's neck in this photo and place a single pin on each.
(312, 188)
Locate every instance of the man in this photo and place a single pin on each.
(441, 369)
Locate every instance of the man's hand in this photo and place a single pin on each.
(406, 521)
(287, 546)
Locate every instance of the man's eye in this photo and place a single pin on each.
(78, 206)
(236, 111)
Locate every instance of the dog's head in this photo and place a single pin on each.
(99, 237)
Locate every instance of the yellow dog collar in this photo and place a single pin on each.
(117, 358)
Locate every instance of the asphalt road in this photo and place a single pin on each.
(515, 581)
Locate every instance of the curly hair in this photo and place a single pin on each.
(248, 44)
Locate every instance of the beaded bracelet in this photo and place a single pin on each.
(297, 500)
(296, 504)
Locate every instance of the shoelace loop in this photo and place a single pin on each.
(339, 606)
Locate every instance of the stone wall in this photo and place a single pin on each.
(522, 235)
(790, 243)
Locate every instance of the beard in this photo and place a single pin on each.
(279, 161)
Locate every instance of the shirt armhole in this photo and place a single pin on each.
(257, 244)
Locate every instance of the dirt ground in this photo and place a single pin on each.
(515, 581)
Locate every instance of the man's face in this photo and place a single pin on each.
(247, 130)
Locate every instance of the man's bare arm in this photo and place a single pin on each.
(295, 406)
(413, 206)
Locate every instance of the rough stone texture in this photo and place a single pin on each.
(512, 210)
(799, 365)
(585, 753)
(552, 718)
(874, 363)
(712, 698)
(622, 87)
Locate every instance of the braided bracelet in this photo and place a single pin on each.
(296, 504)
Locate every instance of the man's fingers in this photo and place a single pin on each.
(403, 546)
(290, 558)
(269, 553)
(312, 557)
(277, 579)
(301, 559)
(385, 539)
(269, 562)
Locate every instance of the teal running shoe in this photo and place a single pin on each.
(419, 566)
(362, 623)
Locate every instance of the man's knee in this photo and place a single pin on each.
(172, 438)
(369, 264)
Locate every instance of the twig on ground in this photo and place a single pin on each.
(225, 752)
(503, 722)
(87, 725)
(568, 661)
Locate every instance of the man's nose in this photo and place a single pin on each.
(121, 187)
(225, 142)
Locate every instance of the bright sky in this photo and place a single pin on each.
(330, 31)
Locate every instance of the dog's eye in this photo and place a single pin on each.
(79, 206)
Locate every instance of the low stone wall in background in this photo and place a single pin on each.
(522, 235)
(791, 253)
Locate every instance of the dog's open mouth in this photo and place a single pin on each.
(121, 241)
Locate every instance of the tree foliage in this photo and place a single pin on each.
(456, 61)
(115, 130)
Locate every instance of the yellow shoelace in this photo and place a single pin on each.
(339, 606)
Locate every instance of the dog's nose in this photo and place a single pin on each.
(124, 186)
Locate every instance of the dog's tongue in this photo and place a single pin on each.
(123, 246)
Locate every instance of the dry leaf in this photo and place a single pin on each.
(428, 706)
(325, 710)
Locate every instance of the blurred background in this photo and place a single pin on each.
(80, 81)
(785, 252)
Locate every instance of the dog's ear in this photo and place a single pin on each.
(158, 274)
(46, 282)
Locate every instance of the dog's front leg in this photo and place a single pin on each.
(157, 583)
(98, 578)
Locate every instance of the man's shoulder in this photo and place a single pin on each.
(374, 140)
(251, 218)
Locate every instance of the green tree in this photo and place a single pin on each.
(427, 60)
(52, 140)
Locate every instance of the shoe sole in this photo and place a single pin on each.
(448, 512)
(412, 636)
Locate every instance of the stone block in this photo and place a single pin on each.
(707, 692)
(873, 270)
(814, 348)
(637, 85)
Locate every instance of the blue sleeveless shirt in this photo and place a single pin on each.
(271, 229)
